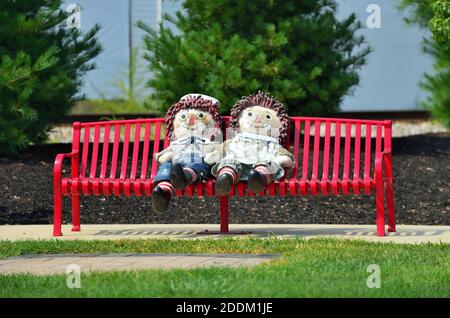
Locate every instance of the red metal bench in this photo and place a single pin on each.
(334, 156)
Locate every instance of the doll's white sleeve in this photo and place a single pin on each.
(284, 152)
(156, 156)
(220, 151)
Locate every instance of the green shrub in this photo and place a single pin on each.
(41, 65)
(434, 14)
(296, 49)
(437, 84)
(440, 23)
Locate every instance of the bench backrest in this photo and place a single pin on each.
(325, 148)
(105, 148)
(334, 149)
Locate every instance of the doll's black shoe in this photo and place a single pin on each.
(256, 181)
(178, 177)
(224, 182)
(160, 199)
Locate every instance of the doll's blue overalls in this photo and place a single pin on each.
(188, 156)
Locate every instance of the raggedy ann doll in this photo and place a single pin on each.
(194, 127)
(255, 153)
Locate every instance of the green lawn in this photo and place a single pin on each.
(311, 268)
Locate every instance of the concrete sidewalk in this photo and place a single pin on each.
(404, 234)
(60, 264)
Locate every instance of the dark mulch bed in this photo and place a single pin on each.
(421, 183)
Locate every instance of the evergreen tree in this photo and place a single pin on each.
(434, 14)
(41, 65)
(295, 49)
(440, 23)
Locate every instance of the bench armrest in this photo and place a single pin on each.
(380, 163)
(57, 170)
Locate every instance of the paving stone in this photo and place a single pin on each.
(57, 264)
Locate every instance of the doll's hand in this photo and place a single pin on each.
(165, 157)
(284, 161)
(212, 157)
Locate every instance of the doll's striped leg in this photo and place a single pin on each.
(190, 174)
(226, 177)
(161, 195)
(259, 177)
(184, 174)
(181, 176)
(163, 190)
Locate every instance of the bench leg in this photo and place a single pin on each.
(224, 209)
(75, 213)
(390, 207)
(389, 193)
(380, 208)
(380, 213)
(57, 216)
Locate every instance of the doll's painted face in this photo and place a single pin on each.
(195, 122)
(260, 120)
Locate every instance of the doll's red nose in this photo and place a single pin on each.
(257, 119)
(191, 120)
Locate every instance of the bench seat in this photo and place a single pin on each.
(288, 186)
(333, 156)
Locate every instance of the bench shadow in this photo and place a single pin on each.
(271, 231)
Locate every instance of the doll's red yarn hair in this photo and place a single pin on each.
(192, 102)
(263, 100)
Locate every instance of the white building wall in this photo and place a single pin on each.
(388, 82)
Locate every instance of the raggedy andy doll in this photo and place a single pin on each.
(194, 127)
(255, 152)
